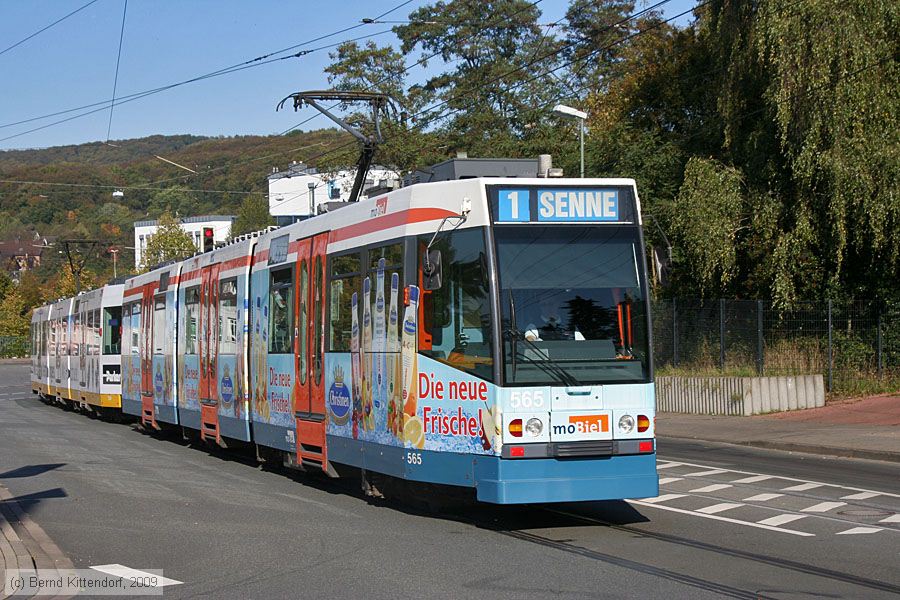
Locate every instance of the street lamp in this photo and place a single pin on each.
(567, 111)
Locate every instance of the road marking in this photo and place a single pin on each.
(823, 506)
(764, 477)
(123, 571)
(717, 508)
(668, 465)
(666, 480)
(664, 498)
(754, 479)
(802, 487)
(860, 496)
(762, 497)
(891, 519)
(856, 530)
(781, 519)
(711, 488)
(721, 518)
(705, 473)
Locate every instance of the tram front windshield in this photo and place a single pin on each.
(573, 311)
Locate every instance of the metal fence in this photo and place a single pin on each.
(855, 346)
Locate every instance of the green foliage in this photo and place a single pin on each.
(252, 216)
(706, 219)
(175, 200)
(170, 242)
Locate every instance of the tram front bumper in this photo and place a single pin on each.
(511, 481)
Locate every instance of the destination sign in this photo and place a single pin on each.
(562, 204)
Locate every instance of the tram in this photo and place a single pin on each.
(490, 333)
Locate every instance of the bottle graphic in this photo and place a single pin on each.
(392, 363)
(365, 356)
(354, 364)
(378, 341)
(412, 426)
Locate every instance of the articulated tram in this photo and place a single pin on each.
(489, 333)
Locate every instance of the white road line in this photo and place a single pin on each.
(711, 488)
(667, 465)
(717, 508)
(891, 519)
(856, 530)
(762, 497)
(823, 507)
(663, 498)
(860, 496)
(754, 479)
(666, 480)
(781, 519)
(802, 487)
(123, 571)
(721, 518)
(818, 483)
(705, 473)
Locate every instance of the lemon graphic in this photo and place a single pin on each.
(413, 432)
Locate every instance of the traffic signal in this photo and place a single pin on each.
(208, 243)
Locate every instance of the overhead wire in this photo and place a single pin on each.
(112, 104)
(43, 29)
(261, 59)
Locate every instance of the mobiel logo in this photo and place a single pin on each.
(583, 424)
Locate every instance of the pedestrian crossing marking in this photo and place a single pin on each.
(666, 480)
(857, 530)
(717, 508)
(803, 487)
(705, 473)
(891, 519)
(781, 519)
(664, 498)
(711, 488)
(823, 507)
(762, 497)
(860, 496)
(754, 479)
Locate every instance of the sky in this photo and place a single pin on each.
(73, 63)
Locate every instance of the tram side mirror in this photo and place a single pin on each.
(431, 270)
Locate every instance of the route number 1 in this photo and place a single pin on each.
(514, 205)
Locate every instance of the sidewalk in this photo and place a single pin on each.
(868, 428)
(23, 544)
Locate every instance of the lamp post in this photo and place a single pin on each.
(567, 111)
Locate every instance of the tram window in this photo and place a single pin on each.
(159, 324)
(97, 331)
(77, 335)
(457, 316)
(89, 331)
(393, 263)
(228, 316)
(112, 333)
(281, 312)
(346, 279)
(192, 317)
(135, 328)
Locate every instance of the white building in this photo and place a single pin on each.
(300, 191)
(195, 226)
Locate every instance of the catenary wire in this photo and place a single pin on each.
(112, 104)
(45, 28)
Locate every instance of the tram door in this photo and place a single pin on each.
(309, 352)
(148, 413)
(209, 353)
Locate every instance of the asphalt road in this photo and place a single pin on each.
(730, 522)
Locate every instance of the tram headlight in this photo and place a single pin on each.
(534, 427)
(626, 424)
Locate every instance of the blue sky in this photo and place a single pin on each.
(165, 41)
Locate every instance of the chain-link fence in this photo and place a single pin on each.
(855, 346)
(15, 346)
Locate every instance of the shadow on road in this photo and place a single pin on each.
(31, 470)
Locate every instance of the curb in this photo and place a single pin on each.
(883, 455)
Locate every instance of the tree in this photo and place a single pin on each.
(489, 97)
(14, 314)
(594, 30)
(170, 242)
(252, 216)
(175, 200)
